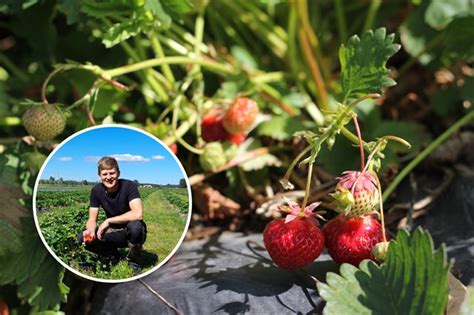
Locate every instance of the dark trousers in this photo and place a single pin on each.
(133, 233)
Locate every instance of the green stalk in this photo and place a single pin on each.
(341, 21)
(158, 49)
(188, 37)
(292, 47)
(303, 12)
(308, 185)
(268, 77)
(277, 44)
(173, 44)
(423, 154)
(265, 20)
(210, 64)
(308, 40)
(373, 8)
(146, 75)
(198, 38)
(13, 68)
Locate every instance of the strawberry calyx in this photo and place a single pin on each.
(294, 211)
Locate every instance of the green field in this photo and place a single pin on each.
(62, 214)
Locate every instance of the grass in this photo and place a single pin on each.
(165, 225)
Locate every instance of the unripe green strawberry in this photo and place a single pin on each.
(380, 251)
(213, 157)
(44, 122)
(240, 115)
(356, 194)
(34, 161)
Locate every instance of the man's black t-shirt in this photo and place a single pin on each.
(115, 203)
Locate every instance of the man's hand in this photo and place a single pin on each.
(103, 228)
(88, 236)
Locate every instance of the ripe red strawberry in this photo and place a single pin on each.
(237, 138)
(351, 239)
(213, 130)
(295, 242)
(240, 115)
(88, 238)
(3, 308)
(356, 193)
(44, 122)
(174, 148)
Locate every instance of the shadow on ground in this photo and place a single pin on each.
(227, 274)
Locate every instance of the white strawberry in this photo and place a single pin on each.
(356, 193)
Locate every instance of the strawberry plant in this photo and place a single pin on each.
(247, 94)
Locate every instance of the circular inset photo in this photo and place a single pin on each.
(112, 203)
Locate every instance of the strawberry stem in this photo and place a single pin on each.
(45, 84)
(308, 185)
(379, 188)
(361, 146)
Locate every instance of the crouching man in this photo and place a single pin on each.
(124, 226)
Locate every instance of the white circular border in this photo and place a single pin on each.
(188, 220)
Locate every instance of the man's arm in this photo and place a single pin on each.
(135, 213)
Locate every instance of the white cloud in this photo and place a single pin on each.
(127, 157)
(158, 157)
(64, 158)
(92, 158)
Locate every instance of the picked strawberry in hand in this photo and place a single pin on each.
(88, 237)
(295, 241)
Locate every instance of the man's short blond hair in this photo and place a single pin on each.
(107, 163)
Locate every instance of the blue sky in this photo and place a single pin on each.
(139, 156)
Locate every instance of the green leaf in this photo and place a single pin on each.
(72, 10)
(363, 63)
(16, 267)
(259, 162)
(283, 128)
(412, 132)
(10, 240)
(415, 35)
(458, 38)
(105, 8)
(440, 12)
(155, 7)
(243, 57)
(446, 102)
(413, 280)
(45, 288)
(121, 32)
(176, 8)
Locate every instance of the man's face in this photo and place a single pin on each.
(109, 178)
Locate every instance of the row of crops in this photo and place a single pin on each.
(178, 197)
(63, 198)
(66, 214)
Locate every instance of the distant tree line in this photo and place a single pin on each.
(68, 182)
